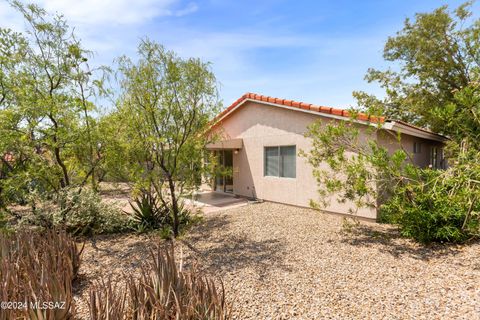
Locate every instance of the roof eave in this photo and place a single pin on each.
(402, 128)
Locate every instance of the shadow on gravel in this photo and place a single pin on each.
(115, 191)
(391, 241)
(225, 252)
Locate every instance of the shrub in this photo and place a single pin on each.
(84, 213)
(426, 204)
(439, 208)
(79, 213)
(164, 291)
(35, 268)
(3, 220)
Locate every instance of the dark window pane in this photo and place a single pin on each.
(288, 162)
(271, 161)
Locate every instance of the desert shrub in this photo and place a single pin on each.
(3, 220)
(163, 291)
(37, 267)
(83, 213)
(79, 213)
(442, 206)
(426, 204)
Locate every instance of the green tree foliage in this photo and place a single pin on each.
(434, 56)
(428, 205)
(435, 85)
(164, 112)
(46, 110)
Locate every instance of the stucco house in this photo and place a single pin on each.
(262, 137)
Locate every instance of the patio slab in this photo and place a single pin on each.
(215, 201)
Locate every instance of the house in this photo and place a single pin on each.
(262, 137)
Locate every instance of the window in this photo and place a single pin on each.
(434, 157)
(280, 161)
(271, 161)
(417, 147)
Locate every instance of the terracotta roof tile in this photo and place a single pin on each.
(299, 105)
(325, 109)
(337, 112)
(362, 117)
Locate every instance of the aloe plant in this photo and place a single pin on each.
(38, 268)
(163, 291)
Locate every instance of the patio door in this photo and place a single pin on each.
(224, 179)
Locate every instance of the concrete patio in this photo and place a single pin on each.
(214, 201)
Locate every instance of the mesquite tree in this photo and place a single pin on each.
(46, 89)
(165, 110)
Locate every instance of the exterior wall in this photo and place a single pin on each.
(260, 126)
(421, 159)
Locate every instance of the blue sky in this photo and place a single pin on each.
(312, 51)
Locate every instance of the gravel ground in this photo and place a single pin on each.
(283, 262)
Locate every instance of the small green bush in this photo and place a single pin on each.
(3, 220)
(85, 214)
(79, 213)
(439, 209)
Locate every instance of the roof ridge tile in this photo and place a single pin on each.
(299, 105)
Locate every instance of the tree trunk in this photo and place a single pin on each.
(65, 181)
(174, 200)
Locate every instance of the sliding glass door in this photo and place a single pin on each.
(224, 177)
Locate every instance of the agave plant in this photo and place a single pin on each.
(148, 213)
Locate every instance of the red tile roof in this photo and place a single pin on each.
(298, 105)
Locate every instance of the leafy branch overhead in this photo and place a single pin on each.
(434, 56)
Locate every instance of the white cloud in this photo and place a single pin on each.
(190, 8)
(9, 18)
(302, 70)
(106, 12)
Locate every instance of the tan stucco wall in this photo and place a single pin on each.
(422, 159)
(260, 126)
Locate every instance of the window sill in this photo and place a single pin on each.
(277, 177)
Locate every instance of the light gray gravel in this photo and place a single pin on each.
(283, 262)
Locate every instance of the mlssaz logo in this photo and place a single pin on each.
(44, 305)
